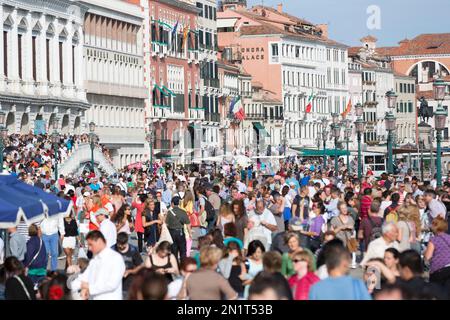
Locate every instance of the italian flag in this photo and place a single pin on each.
(309, 105)
(348, 109)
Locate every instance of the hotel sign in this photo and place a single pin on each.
(255, 53)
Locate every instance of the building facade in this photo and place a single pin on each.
(294, 59)
(407, 120)
(172, 75)
(113, 62)
(209, 80)
(425, 58)
(377, 80)
(41, 78)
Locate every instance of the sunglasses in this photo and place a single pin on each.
(298, 260)
(191, 270)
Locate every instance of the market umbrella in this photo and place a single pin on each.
(19, 200)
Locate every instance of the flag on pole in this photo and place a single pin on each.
(185, 34)
(238, 109)
(309, 105)
(174, 33)
(347, 110)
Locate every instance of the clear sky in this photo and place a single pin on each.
(347, 19)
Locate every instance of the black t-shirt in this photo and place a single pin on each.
(418, 288)
(70, 228)
(297, 200)
(15, 291)
(131, 258)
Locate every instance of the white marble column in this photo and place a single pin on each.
(13, 59)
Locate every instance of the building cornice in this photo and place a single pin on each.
(117, 10)
(59, 8)
(33, 101)
(426, 56)
(181, 5)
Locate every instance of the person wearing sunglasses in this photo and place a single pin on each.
(177, 288)
(304, 276)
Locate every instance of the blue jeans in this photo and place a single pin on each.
(51, 246)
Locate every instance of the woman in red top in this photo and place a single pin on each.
(139, 204)
(301, 282)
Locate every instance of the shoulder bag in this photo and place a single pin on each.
(23, 287)
(352, 243)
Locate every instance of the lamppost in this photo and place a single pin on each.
(285, 137)
(149, 139)
(324, 140)
(440, 117)
(3, 137)
(359, 126)
(347, 135)
(225, 128)
(336, 131)
(390, 127)
(318, 140)
(93, 139)
(55, 141)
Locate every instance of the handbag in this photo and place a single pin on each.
(165, 234)
(352, 243)
(195, 221)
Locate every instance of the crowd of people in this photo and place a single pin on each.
(303, 233)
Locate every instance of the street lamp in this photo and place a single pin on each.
(390, 126)
(359, 126)
(55, 141)
(93, 139)
(149, 139)
(336, 131)
(324, 140)
(440, 117)
(347, 134)
(3, 137)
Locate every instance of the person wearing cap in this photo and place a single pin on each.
(175, 220)
(107, 227)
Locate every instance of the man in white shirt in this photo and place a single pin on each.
(102, 279)
(378, 246)
(261, 224)
(107, 228)
(50, 228)
(435, 206)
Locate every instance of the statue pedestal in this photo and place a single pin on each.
(424, 134)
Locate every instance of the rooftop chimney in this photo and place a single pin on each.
(280, 8)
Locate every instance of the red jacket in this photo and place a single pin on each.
(301, 286)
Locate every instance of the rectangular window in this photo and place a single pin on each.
(19, 53)
(47, 45)
(61, 71)
(200, 6)
(5, 53)
(33, 52)
(206, 12)
(73, 64)
(275, 50)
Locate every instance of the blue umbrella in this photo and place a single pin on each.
(20, 200)
(31, 209)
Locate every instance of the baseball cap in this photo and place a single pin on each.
(86, 194)
(101, 211)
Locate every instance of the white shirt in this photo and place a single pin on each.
(174, 288)
(109, 232)
(383, 206)
(52, 225)
(2, 251)
(377, 248)
(104, 275)
(241, 186)
(266, 216)
(69, 187)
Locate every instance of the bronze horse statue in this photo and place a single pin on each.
(425, 112)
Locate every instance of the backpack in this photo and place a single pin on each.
(210, 212)
(376, 231)
(392, 216)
